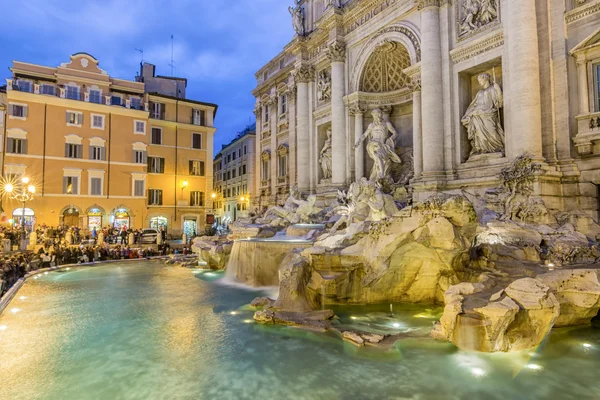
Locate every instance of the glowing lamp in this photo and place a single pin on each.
(25, 180)
(8, 188)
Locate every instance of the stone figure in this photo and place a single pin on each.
(325, 157)
(306, 209)
(297, 14)
(477, 13)
(324, 86)
(288, 209)
(482, 118)
(380, 147)
(333, 3)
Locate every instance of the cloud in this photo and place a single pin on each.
(218, 46)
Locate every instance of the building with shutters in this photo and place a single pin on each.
(104, 151)
(234, 178)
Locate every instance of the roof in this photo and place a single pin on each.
(186, 100)
(3, 89)
(84, 54)
(249, 130)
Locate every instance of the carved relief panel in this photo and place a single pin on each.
(475, 16)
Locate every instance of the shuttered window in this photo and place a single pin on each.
(16, 146)
(196, 168)
(155, 197)
(139, 157)
(156, 136)
(197, 199)
(196, 140)
(138, 188)
(96, 186)
(70, 185)
(74, 118)
(156, 165)
(17, 110)
(97, 153)
(73, 150)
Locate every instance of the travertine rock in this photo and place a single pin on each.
(294, 275)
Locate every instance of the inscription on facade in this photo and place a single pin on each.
(378, 9)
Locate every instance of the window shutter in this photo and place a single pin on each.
(162, 165)
(160, 197)
(201, 168)
(191, 168)
(149, 163)
(79, 151)
(192, 199)
(9, 145)
(80, 119)
(67, 117)
(162, 111)
(66, 149)
(25, 111)
(149, 197)
(91, 152)
(75, 181)
(23, 146)
(133, 157)
(103, 153)
(10, 110)
(144, 156)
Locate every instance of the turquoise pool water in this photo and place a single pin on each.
(150, 331)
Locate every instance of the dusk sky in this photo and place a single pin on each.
(219, 45)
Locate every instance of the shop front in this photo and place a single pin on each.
(27, 215)
(95, 218)
(121, 217)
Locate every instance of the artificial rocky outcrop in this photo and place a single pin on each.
(214, 251)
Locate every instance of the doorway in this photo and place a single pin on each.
(71, 217)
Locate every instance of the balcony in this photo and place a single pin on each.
(87, 97)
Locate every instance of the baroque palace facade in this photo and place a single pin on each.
(460, 89)
(105, 151)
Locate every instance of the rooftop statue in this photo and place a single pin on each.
(380, 147)
(297, 14)
(482, 118)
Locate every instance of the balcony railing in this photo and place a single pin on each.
(48, 90)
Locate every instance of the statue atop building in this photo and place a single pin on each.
(297, 14)
(482, 118)
(325, 157)
(380, 147)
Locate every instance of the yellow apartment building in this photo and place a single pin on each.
(102, 151)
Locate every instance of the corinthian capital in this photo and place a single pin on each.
(357, 109)
(337, 52)
(421, 4)
(304, 74)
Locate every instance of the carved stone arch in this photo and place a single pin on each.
(282, 150)
(97, 207)
(402, 33)
(69, 207)
(283, 88)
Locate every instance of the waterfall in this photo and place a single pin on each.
(255, 262)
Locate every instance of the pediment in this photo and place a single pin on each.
(589, 42)
(84, 62)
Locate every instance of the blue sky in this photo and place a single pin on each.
(219, 45)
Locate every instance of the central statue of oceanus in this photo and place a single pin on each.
(380, 147)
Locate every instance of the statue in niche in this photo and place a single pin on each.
(380, 147)
(297, 14)
(477, 13)
(482, 118)
(325, 157)
(324, 86)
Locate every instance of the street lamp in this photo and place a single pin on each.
(22, 194)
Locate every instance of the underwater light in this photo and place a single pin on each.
(35, 277)
(233, 313)
(15, 310)
(3, 327)
(248, 321)
(352, 317)
(396, 325)
(587, 345)
(68, 268)
(46, 273)
(534, 367)
(477, 371)
(209, 274)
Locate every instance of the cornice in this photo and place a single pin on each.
(582, 12)
(472, 49)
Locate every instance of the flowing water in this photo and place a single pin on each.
(149, 331)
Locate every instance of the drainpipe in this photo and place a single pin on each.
(176, 144)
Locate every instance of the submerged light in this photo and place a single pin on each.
(233, 313)
(353, 317)
(15, 310)
(22, 298)
(477, 371)
(587, 345)
(3, 327)
(396, 325)
(534, 367)
(248, 321)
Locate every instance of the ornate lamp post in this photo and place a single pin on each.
(24, 193)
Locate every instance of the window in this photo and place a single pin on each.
(139, 127)
(265, 170)
(23, 86)
(233, 174)
(196, 168)
(196, 140)
(199, 117)
(138, 188)
(240, 171)
(97, 121)
(265, 75)
(245, 149)
(157, 111)
(156, 165)
(136, 103)
(16, 146)
(139, 156)
(72, 92)
(244, 169)
(95, 96)
(97, 153)
(74, 118)
(73, 150)
(70, 185)
(197, 199)
(47, 89)
(96, 186)
(266, 117)
(228, 175)
(155, 197)
(115, 100)
(233, 155)
(596, 68)
(283, 104)
(156, 136)
(240, 153)
(282, 161)
(17, 110)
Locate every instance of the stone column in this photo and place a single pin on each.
(257, 152)
(359, 154)
(304, 74)
(274, 122)
(337, 56)
(417, 133)
(524, 70)
(431, 79)
(582, 79)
